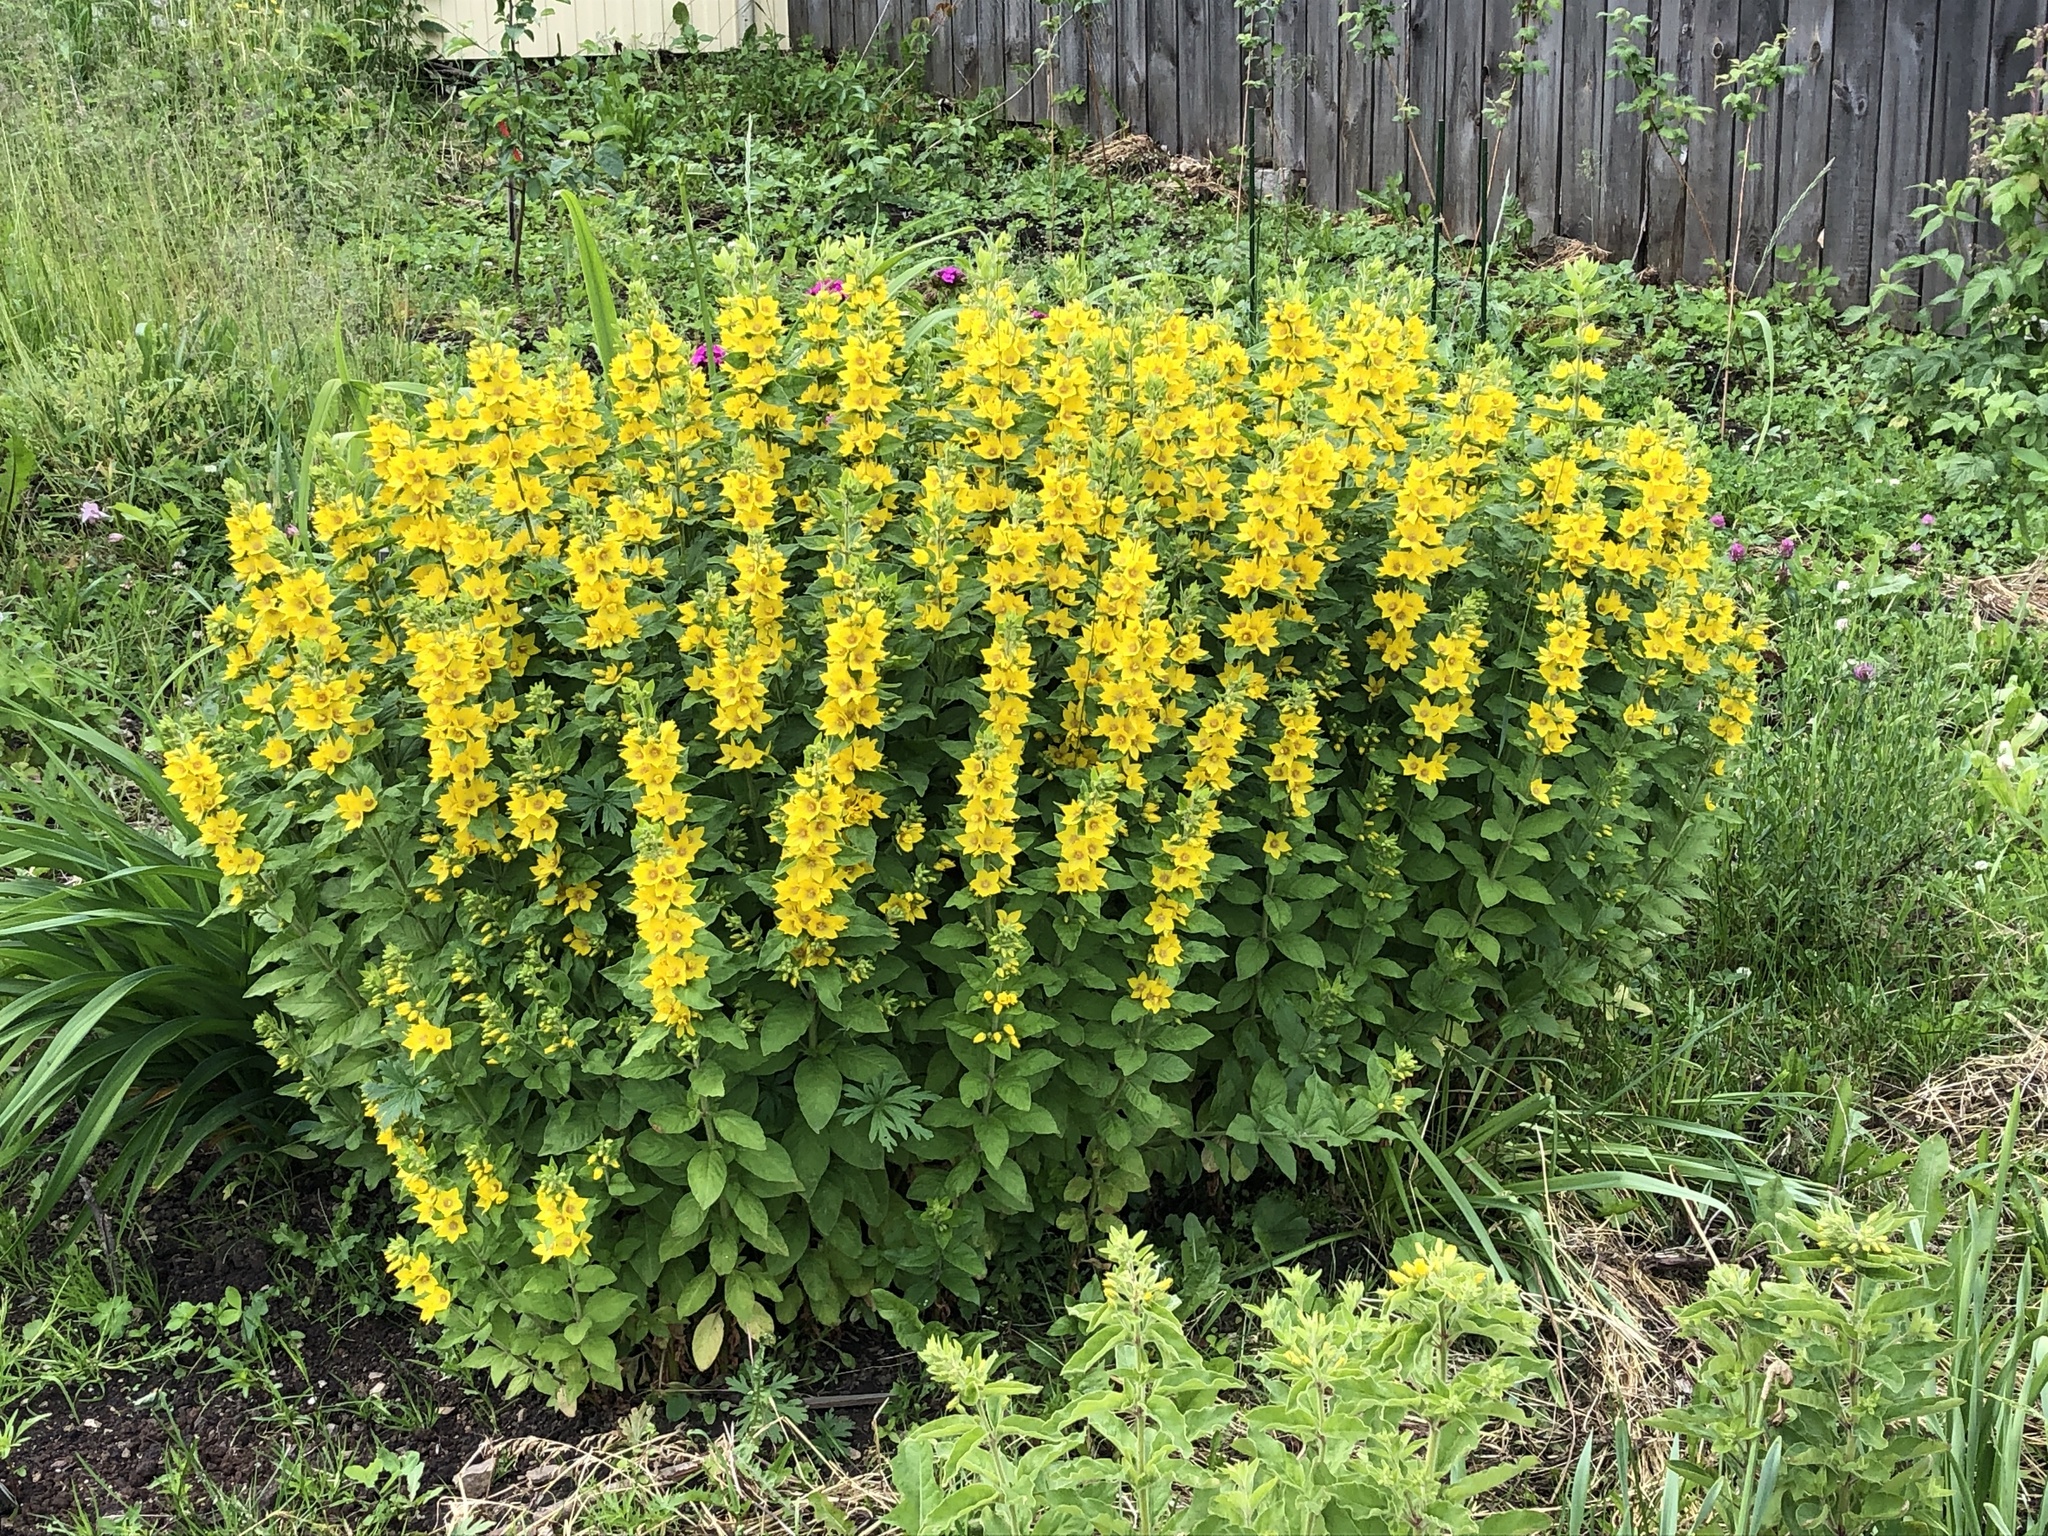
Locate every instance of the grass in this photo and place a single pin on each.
(209, 209)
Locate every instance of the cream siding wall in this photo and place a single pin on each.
(579, 26)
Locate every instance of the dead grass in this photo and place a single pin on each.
(1975, 1099)
(2021, 595)
(1183, 178)
(637, 1479)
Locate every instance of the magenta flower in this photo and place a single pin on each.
(1862, 671)
(89, 512)
(1786, 546)
(1718, 520)
(948, 275)
(1926, 519)
(1913, 548)
(1738, 551)
(717, 355)
(828, 285)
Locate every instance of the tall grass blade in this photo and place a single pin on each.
(125, 1025)
(597, 282)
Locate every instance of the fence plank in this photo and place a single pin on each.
(1131, 37)
(1753, 211)
(970, 46)
(1852, 190)
(1356, 72)
(1321, 94)
(1161, 117)
(1711, 153)
(1803, 147)
(1911, 31)
(1395, 133)
(1464, 46)
(1619, 217)
(1280, 64)
(1425, 42)
(1585, 67)
(1671, 219)
(2011, 20)
(1539, 119)
(1195, 27)
(1962, 52)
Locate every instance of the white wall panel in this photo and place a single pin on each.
(599, 26)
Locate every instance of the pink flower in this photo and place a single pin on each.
(717, 355)
(826, 285)
(1913, 548)
(89, 512)
(1926, 519)
(1718, 520)
(1738, 551)
(116, 536)
(948, 275)
(1786, 546)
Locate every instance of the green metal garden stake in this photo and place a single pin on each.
(1436, 238)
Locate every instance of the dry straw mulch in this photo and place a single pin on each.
(1136, 157)
(530, 1486)
(2022, 595)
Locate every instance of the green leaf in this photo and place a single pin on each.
(707, 1177)
(741, 1130)
(597, 282)
(17, 468)
(818, 1088)
(707, 1339)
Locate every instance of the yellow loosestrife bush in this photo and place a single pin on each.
(768, 830)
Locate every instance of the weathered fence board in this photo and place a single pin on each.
(1883, 106)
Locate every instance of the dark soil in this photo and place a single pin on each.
(351, 1383)
(358, 1382)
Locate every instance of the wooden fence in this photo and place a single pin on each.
(1881, 108)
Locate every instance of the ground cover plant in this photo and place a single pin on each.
(1655, 1076)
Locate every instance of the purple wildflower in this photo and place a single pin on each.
(828, 285)
(1926, 519)
(90, 512)
(717, 355)
(1786, 546)
(291, 530)
(948, 275)
(1862, 671)
(1738, 551)
(1913, 548)
(116, 536)
(1718, 520)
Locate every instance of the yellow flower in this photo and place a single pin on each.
(1153, 994)
(1539, 791)
(352, 805)
(1426, 770)
(1436, 1258)
(1277, 846)
(427, 1038)
(560, 1213)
